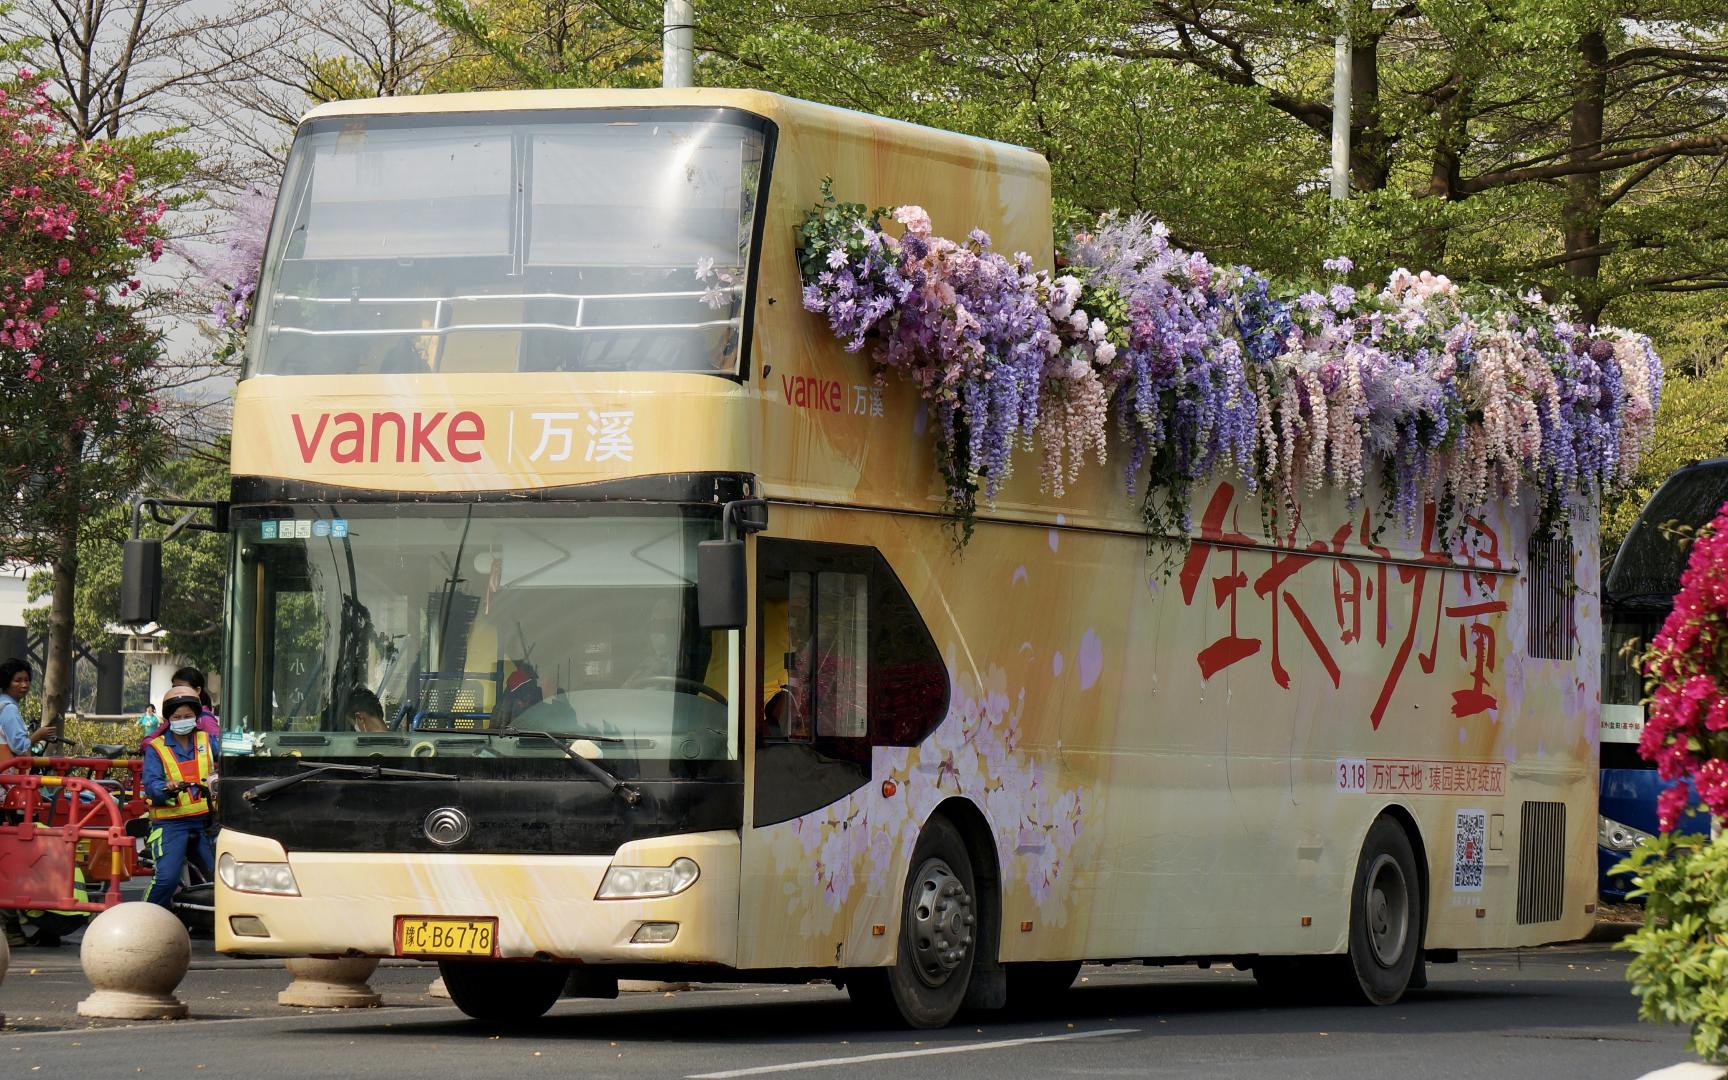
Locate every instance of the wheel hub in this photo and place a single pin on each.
(939, 921)
(1388, 910)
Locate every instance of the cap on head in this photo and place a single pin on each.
(180, 695)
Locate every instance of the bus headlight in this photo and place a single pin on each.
(275, 878)
(647, 882)
(1614, 836)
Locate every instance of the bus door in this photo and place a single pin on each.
(841, 665)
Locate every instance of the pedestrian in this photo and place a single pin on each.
(193, 679)
(177, 771)
(14, 684)
(148, 720)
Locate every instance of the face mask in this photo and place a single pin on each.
(183, 726)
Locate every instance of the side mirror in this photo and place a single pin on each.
(141, 582)
(721, 600)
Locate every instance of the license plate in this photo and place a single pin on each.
(418, 936)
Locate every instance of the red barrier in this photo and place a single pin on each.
(51, 822)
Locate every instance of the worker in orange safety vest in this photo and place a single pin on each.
(177, 771)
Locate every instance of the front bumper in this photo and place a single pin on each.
(544, 904)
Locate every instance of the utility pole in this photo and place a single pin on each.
(1341, 63)
(678, 44)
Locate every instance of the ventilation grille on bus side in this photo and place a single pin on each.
(1541, 862)
(1549, 573)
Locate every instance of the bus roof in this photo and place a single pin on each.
(1646, 570)
(786, 112)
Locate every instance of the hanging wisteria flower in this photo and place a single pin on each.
(1454, 398)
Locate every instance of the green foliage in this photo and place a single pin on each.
(193, 566)
(1691, 334)
(1679, 968)
(515, 44)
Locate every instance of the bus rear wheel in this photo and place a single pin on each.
(497, 993)
(1386, 917)
(938, 940)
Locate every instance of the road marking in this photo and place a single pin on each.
(963, 1048)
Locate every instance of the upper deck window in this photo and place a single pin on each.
(574, 241)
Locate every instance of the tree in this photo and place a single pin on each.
(1690, 425)
(77, 360)
(194, 564)
(1573, 146)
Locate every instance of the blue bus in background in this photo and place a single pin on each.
(1637, 593)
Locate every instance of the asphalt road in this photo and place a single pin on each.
(1562, 1012)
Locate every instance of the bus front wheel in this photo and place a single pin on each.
(498, 993)
(938, 937)
(1386, 916)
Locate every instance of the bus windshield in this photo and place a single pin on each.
(523, 241)
(438, 630)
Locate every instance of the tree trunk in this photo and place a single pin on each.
(57, 665)
(1370, 150)
(57, 676)
(1581, 217)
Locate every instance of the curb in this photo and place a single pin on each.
(1687, 1070)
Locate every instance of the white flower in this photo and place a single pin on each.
(1097, 331)
(1106, 352)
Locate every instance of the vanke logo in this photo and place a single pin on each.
(347, 438)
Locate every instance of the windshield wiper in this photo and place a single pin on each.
(317, 768)
(614, 785)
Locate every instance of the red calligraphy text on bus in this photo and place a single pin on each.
(1353, 585)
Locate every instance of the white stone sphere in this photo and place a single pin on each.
(136, 947)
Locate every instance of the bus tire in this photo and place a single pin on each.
(1031, 986)
(1386, 917)
(938, 940)
(496, 993)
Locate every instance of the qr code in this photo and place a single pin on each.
(1469, 839)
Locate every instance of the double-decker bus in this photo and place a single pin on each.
(1637, 595)
(593, 611)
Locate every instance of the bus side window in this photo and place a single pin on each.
(815, 656)
(841, 676)
(846, 664)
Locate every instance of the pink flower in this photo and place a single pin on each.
(63, 266)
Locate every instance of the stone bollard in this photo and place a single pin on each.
(134, 955)
(331, 984)
(438, 989)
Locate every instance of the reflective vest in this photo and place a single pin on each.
(196, 771)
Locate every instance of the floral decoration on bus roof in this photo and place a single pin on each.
(1456, 395)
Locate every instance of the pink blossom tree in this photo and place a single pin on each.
(1687, 732)
(78, 357)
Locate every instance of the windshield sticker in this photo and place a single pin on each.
(339, 528)
(320, 528)
(266, 530)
